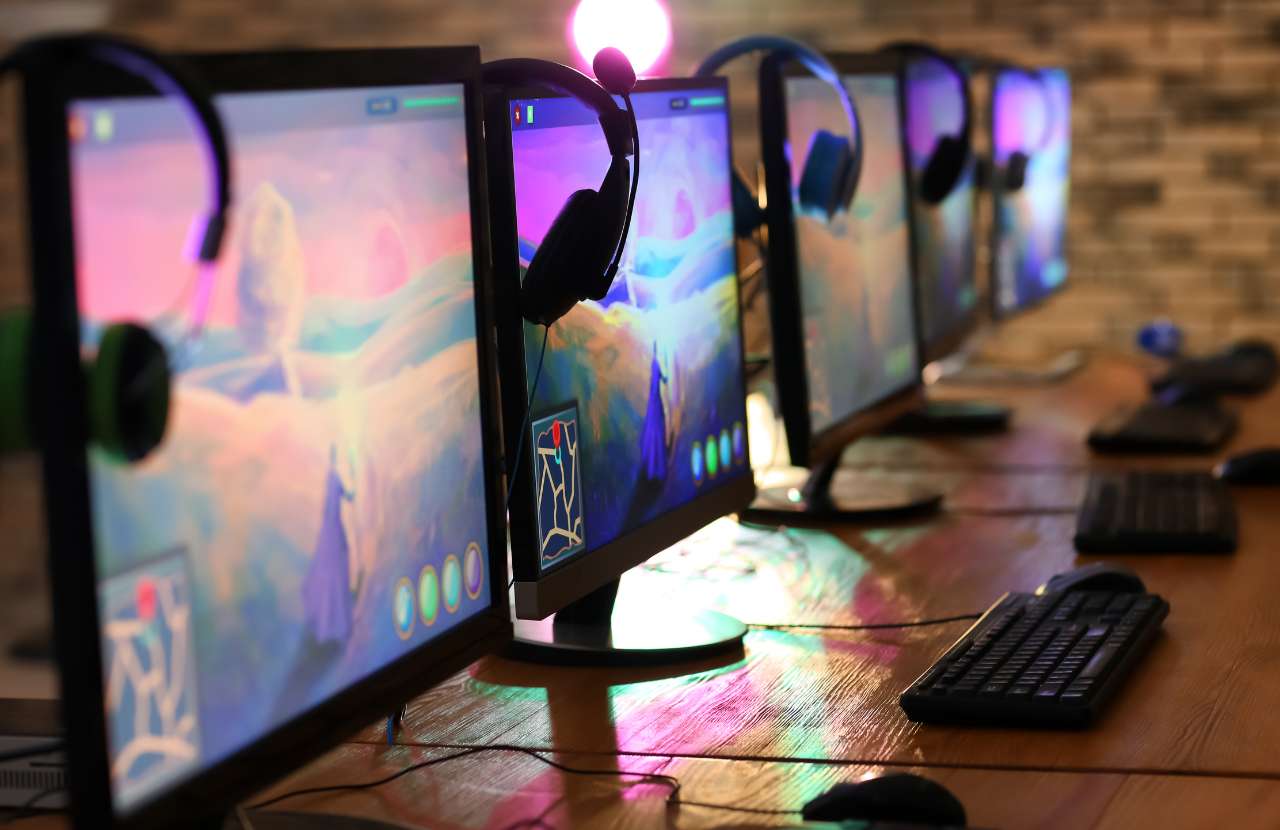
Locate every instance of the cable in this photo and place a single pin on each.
(866, 627)
(528, 418)
(30, 751)
(669, 781)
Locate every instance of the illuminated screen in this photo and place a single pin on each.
(1030, 224)
(854, 269)
(316, 510)
(944, 236)
(640, 408)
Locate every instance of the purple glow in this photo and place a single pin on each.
(640, 28)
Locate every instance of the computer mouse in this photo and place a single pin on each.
(1258, 467)
(897, 797)
(1096, 576)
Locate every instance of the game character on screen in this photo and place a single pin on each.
(653, 437)
(327, 598)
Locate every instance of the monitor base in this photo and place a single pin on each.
(587, 633)
(953, 418)
(864, 501)
(961, 369)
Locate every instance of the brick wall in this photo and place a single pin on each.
(1176, 174)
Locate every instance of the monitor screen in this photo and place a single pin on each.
(317, 508)
(944, 238)
(854, 269)
(640, 406)
(1032, 117)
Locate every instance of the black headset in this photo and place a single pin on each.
(128, 382)
(1015, 167)
(950, 156)
(832, 165)
(582, 250)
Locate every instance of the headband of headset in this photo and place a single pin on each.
(808, 57)
(167, 77)
(910, 49)
(517, 72)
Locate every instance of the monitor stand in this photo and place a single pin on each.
(589, 633)
(953, 418)
(866, 499)
(962, 369)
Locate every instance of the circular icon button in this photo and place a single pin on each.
(428, 595)
(726, 449)
(451, 577)
(713, 456)
(473, 570)
(402, 611)
(739, 443)
(695, 462)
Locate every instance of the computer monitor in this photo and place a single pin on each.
(846, 350)
(320, 535)
(637, 427)
(1030, 115)
(943, 233)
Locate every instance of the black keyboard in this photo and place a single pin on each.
(1246, 368)
(1159, 428)
(1052, 660)
(1156, 512)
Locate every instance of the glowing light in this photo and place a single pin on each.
(640, 28)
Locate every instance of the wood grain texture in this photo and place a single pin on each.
(1199, 703)
(499, 790)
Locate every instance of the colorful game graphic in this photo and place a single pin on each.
(149, 657)
(944, 237)
(323, 460)
(1030, 259)
(656, 366)
(855, 269)
(558, 485)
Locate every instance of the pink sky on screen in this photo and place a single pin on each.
(373, 207)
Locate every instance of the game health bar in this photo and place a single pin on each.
(536, 113)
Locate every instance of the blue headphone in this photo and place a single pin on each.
(832, 165)
(129, 381)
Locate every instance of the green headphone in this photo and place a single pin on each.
(128, 383)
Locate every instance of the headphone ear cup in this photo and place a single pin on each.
(127, 391)
(15, 382)
(554, 281)
(943, 170)
(1015, 171)
(827, 172)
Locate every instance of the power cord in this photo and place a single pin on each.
(31, 751)
(669, 781)
(524, 428)
(528, 419)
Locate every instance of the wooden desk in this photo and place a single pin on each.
(1050, 424)
(1189, 741)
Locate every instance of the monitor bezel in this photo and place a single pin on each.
(216, 788)
(785, 311)
(999, 315)
(539, 594)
